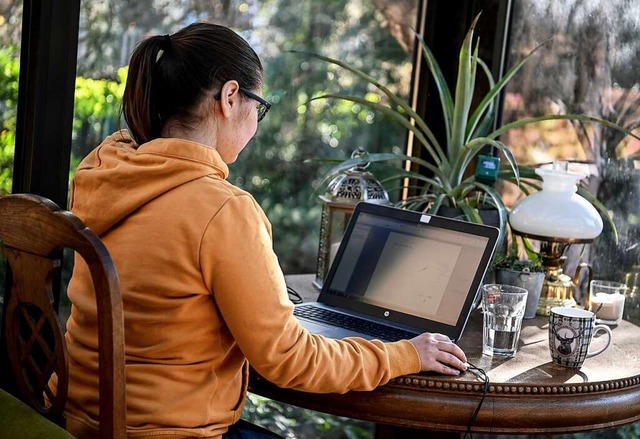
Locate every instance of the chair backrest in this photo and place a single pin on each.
(33, 231)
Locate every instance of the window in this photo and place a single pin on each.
(588, 66)
(376, 39)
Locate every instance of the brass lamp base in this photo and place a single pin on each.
(558, 288)
(545, 305)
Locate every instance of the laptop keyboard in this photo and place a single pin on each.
(353, 323)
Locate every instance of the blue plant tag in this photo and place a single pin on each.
(487, 168)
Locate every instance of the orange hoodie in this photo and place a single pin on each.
(202, 291)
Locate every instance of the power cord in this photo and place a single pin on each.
(480, 373)
(293, 295)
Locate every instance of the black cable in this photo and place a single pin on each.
(480, 373)
(293, 295)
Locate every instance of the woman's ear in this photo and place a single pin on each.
(229, 97)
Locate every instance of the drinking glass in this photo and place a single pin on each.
(503, 307)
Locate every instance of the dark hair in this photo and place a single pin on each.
(169, 75)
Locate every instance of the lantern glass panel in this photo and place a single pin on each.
(332, 226)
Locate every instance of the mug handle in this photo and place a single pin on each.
(597, 329)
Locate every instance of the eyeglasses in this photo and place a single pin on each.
(263, 106)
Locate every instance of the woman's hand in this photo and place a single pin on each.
(439, 354)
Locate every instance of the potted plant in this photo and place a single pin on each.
(449, 180)
(524, 271)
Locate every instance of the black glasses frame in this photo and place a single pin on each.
(263, 106)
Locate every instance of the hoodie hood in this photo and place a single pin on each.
(119, 176)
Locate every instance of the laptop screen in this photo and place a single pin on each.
(420, 266)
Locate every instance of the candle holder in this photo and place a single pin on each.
(606, 299)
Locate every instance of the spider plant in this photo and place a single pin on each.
(449, 179)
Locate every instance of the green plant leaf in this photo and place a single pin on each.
(524, 186)
(528, 177)
(375, 158)
(489, 115)
(528, 249)
(581, 117)
(491, 96)
(464, 92)
(437, 203)
(446, 101)
(417, 200)
(502, 210)
(525, 171)
(460, 191)
(322, 160)
(471, 213)
(416, 176)
(472, 148)
(390, 112)
(420, 125)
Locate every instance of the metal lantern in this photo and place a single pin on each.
(342, 194)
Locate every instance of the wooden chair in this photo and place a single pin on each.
(33, 229)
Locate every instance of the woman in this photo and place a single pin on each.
(202, 289)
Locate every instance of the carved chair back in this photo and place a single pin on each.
(33, 232)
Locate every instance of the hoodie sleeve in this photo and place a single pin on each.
(242, 272)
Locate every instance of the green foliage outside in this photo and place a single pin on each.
(96, 113)
(282, 167)
(9, 68)
(275, 166)
(293, 422)
(97, 103)
(626, 432)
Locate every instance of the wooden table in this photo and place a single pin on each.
(527, 393)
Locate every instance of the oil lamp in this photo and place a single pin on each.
(557, 217)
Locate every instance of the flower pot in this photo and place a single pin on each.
(530, 281)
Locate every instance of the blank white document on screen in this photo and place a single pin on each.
(417, 270)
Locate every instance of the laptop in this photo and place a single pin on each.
(399, 273)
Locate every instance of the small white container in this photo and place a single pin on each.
(608, 297)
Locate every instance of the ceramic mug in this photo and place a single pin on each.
(570, 334)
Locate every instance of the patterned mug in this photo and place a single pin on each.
(570, 334)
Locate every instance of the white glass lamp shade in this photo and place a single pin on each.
(557, 211)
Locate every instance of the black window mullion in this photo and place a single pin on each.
(444, 25)
(45, 98)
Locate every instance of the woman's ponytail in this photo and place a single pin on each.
(139, 103)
